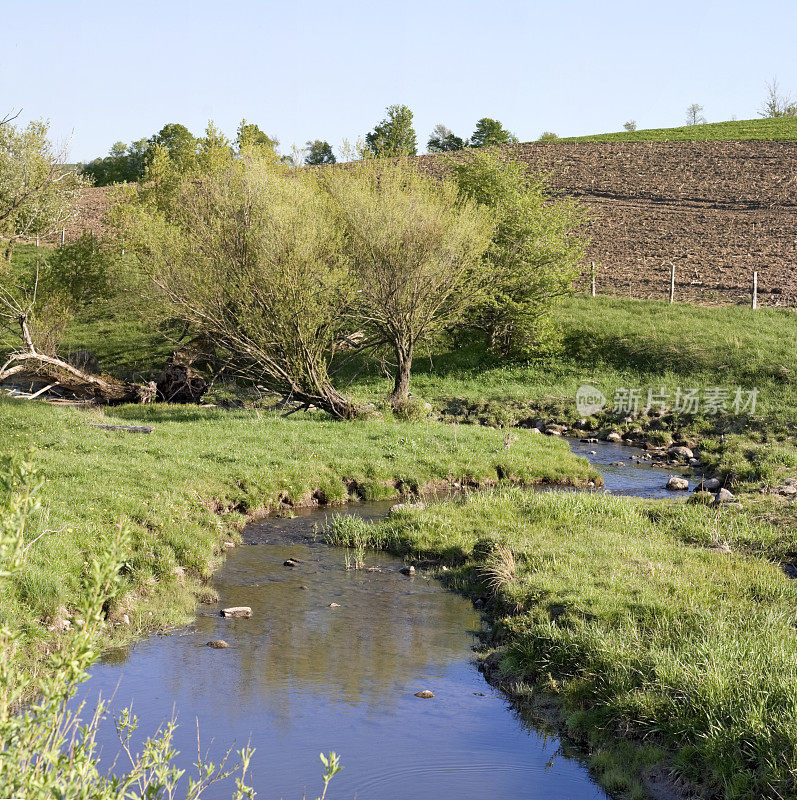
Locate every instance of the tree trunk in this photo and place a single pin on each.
(401, 386)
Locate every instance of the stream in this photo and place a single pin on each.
(302, 676)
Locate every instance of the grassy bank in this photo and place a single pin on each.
(617, 344)
(672, 659)
(184, 488)
(733, 130)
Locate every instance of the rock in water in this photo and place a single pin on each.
(676, 484)
(407, 570)
(236, 612)
(218, 644)
(424, 695)
(334, 605)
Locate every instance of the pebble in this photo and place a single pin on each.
(334, 605)
(424, 695)
(218, 644)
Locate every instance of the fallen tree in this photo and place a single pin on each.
(27, 362)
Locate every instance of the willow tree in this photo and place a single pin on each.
(251, 257)
(415, 248)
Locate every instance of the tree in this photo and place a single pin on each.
(214, 150)
(180, 144)
(37, 194)
(548, 136)
(250, 135)
(250, 257)
(319, 152)
(443, 140)
(694, 115)
(415, 251)
(123, 164)
(394, 135)
(533, 258)
(630, 126)
(777, 104)
(490, 132)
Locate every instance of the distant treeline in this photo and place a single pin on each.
(393, 136)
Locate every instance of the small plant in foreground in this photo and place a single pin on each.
(46, 749)
(332, 766)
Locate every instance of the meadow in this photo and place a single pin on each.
(769, 129)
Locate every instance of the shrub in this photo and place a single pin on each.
(533, 258)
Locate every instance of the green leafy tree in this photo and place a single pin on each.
(444, 140)
(415, 251)
(533, 258)
(179, 143)
(80, 270)
(37, 193)
(630, 126)
(394, 135)
(548, 136)
(490, 132)
(123, 164)
(214, 150)
(319, 152)
(250, 135)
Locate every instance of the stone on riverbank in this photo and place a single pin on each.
(676, 484)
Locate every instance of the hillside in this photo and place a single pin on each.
(717, 210)
(771, 129)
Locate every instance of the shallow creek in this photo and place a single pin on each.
(302, 676)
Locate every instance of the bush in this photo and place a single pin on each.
(81, 271)
(534, 254)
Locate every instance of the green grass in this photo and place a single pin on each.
(614, 344)
(624, 343)
(769, 129)
(662, 648)
(184, 487)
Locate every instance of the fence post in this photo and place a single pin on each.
(672, 283)
(592, 271)
(63, 236)
(755, 288)
(37, 240)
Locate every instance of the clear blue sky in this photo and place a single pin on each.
(108, 71)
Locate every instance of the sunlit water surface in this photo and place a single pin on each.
(301, 677)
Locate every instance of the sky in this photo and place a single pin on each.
(107, 71)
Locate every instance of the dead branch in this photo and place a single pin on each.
(28, 361)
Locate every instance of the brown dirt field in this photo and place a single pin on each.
(717, 210)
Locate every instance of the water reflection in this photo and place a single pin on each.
(300, 677)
